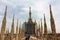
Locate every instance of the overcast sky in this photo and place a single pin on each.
(21, 10)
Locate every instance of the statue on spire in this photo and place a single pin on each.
(12, 29)
(30, 14)
(17, 31)
(52, 21)
(4, 24)
(45, 25)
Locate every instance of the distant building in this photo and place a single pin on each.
(30, 25)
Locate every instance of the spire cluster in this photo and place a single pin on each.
(29, 25)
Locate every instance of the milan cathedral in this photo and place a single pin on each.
(29, 30)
